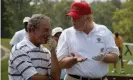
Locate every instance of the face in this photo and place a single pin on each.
(56, 36)
(80, 24)
(42, 33)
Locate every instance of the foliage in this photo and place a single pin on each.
(109, 13)
(60, 18)
(103, 13)
(123, 19)
(13, 13)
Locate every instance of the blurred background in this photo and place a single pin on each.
(117, 15)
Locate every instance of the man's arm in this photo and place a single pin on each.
(38, 76)
(69, 61)
(55, 68)
(110, 58)
(111, 50)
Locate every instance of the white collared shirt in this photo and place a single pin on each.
(18, 36)
(26, 60)
(72, 41)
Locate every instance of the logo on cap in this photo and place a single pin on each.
(76, 9)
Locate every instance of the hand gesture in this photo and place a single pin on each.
(79, 58)
(99, 57)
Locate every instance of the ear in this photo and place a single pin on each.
(88, 17)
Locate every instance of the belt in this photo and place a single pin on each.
(83, 78)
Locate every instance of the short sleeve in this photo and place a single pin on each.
(21, 62)
(110, 43)
(62, 47)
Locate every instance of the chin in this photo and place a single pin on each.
(77, 29)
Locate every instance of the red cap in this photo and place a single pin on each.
(79, 9)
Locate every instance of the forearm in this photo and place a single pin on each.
(39, 77)
(110, 58)
(55, 68)
(67, 62)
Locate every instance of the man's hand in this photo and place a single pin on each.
(79, 58)
(69, 61)
(99, 57)
(52, 45)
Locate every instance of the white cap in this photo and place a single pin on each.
(56, 30)
(26, 19)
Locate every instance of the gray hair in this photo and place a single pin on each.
(35, 20)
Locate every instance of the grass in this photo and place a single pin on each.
(4, 63)
(4, 69)
(128, 68)
(5, 42)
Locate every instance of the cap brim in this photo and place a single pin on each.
(73, 14)
(56, 33)
(25, 21)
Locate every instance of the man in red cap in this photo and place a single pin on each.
(86, 48)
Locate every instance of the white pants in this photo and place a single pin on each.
(67, 77)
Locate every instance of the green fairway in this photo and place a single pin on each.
(128, 68)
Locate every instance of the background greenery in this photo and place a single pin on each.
(117, 16)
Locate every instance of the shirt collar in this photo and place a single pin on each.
(93, 30)
(29, 43)
(94, 27)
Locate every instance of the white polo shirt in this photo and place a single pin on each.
(26, 60)
(72, 41)
(18, 36)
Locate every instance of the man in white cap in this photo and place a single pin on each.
(56, 32)
(19, 35)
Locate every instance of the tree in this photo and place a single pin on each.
(60, 11)
(12, 15)
(56, 11)
(103, 13)
(117, 3)
(123, 21)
